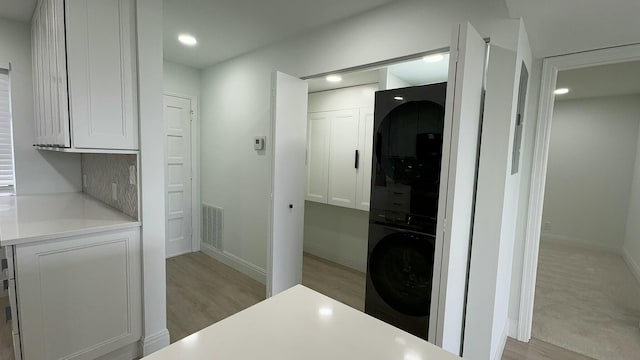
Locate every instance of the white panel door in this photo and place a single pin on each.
(177, 120)
(318, 157)
(463, 112)
(365, 151)
(343, 158)
(81, 297)
(101, 61)
(284, 268)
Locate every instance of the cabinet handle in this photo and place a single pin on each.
(5, 285)
(357, 164)
(4, 264)
(7, 313)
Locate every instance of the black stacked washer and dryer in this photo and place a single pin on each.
(408, 139)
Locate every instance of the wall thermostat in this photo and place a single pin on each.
(258, 143)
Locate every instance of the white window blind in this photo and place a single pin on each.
(6, 140)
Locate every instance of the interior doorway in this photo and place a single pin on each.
(581, 276)
(587, 299)
(339, 168)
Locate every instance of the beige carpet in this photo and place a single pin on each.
(587, 301)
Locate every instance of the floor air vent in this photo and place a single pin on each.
(212, 225)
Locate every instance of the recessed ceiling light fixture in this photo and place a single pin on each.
(433, 58)
(187, 39)
(561, 91)
(399, 98)
(334, 78)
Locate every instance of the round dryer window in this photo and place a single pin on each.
(401, 269)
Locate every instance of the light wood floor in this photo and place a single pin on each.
(202, 291)
(538, 350)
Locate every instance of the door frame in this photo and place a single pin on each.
(195, 168)
(550, 68)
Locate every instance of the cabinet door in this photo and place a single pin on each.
(35, 63)
(365, 148)
(101, 71)
(342, 158)
(79, 298)
(318, 156)
(59, 76)
(45, 76)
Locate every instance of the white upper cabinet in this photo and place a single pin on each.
(365, 147)
(85, 74)
(318, 157)
(339, 153)
(343, 158)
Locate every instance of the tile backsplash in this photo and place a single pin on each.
(99, 174)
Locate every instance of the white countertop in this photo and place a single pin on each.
(301, 324)
(31, 218)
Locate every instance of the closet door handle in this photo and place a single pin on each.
(357, 164)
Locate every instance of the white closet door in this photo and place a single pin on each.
(342, 158)
(284, 267)
(318, 156)
(463, 111)
(365, 148)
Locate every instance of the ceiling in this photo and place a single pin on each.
(558, 27)
(418, 72)
(348, 80)
(413, 72)
(603, 80)
(17, 9)
(228, 28)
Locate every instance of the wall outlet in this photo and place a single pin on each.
(132, 174)
(114, 191)
(546, 226)
(84, 180)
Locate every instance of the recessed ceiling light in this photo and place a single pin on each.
(561, 91)
(187, 39)
(334, 78)
(399, 98)
(433, 58)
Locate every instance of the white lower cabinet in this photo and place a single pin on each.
(340, 148)
(79, 297)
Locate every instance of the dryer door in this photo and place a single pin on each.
(401, 270)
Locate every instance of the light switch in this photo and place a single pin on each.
(258, 143)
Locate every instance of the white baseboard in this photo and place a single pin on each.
(503, 342)
(350, 263)
(633, 265)
(235, 262)
(585, 244)
(155, 342)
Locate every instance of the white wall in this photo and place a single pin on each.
(152, 174)
(591, 156)
(180, 79)
(526, 161)
(332, 232)
(236, 100)
(631, 246)
(37, 172)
